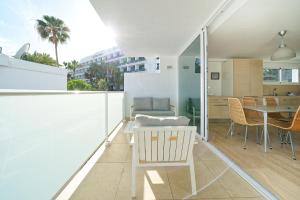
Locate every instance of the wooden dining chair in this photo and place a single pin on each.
(293, 126)
(238, 116)
(273, 102)
(251, 114)
(250, 101)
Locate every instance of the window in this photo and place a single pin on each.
(132, 68)
(142, 67)
(290, 75)
(271, 75)
(286, 75)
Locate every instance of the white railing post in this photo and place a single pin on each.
(107, 143)
(124, 106)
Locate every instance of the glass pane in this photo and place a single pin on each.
(189, 83)
(46, 138)
(290, 75)
(271, 75)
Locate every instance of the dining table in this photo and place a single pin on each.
(270, 109)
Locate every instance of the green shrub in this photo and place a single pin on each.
(79, 85)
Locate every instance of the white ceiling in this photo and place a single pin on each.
(252, 30)
(154, 27)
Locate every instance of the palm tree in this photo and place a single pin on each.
(54, 30)
(72, 66)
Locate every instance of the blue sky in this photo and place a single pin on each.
(88, 33)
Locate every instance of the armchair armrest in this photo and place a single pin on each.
(173, 108)
(131, 110)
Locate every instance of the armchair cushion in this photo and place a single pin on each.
(142, 103)
(193, 103)
(161, 104)
(146, 120)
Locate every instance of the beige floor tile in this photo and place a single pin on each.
(250, 198)
(180, 183)
(101, 183)
(115, 153)
(201, 152)
(110, 178)
(120, 139)
(236, 186)
(216, 167)
(152, 183)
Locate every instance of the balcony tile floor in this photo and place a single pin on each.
(110, 178)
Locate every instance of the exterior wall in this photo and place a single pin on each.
(20, 74)
(163, 84)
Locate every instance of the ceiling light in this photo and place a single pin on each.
(283, 52)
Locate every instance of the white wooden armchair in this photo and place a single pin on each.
(163, 146)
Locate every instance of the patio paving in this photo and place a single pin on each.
(110, 178)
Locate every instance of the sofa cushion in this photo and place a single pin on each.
(153, 112)
(161, 103)
(146, 120)
(142, 103)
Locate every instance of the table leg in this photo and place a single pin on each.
(265, 129)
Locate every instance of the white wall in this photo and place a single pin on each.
(163, 84)
(20, 74)
(227, 78)
(214, 86)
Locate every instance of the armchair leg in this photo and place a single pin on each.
(193, 179)
(245, 139)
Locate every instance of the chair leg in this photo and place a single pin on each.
(133, 175)
(193, 178)
(292, 146)
(245, 139)
(230, 129)
(280, 136)
(257, 135)
(261, 136)
(269, 141)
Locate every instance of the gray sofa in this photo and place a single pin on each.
(152, 106)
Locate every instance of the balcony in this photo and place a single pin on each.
(49, 138)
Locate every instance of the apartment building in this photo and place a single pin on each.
(116, 56)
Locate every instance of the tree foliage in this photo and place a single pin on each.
(41, 58)
(54, 30)
(102, 85)
(110, 73)
(78, 85)
(71, 66)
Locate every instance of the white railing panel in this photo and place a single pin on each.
(45, 138)
(115, 109)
